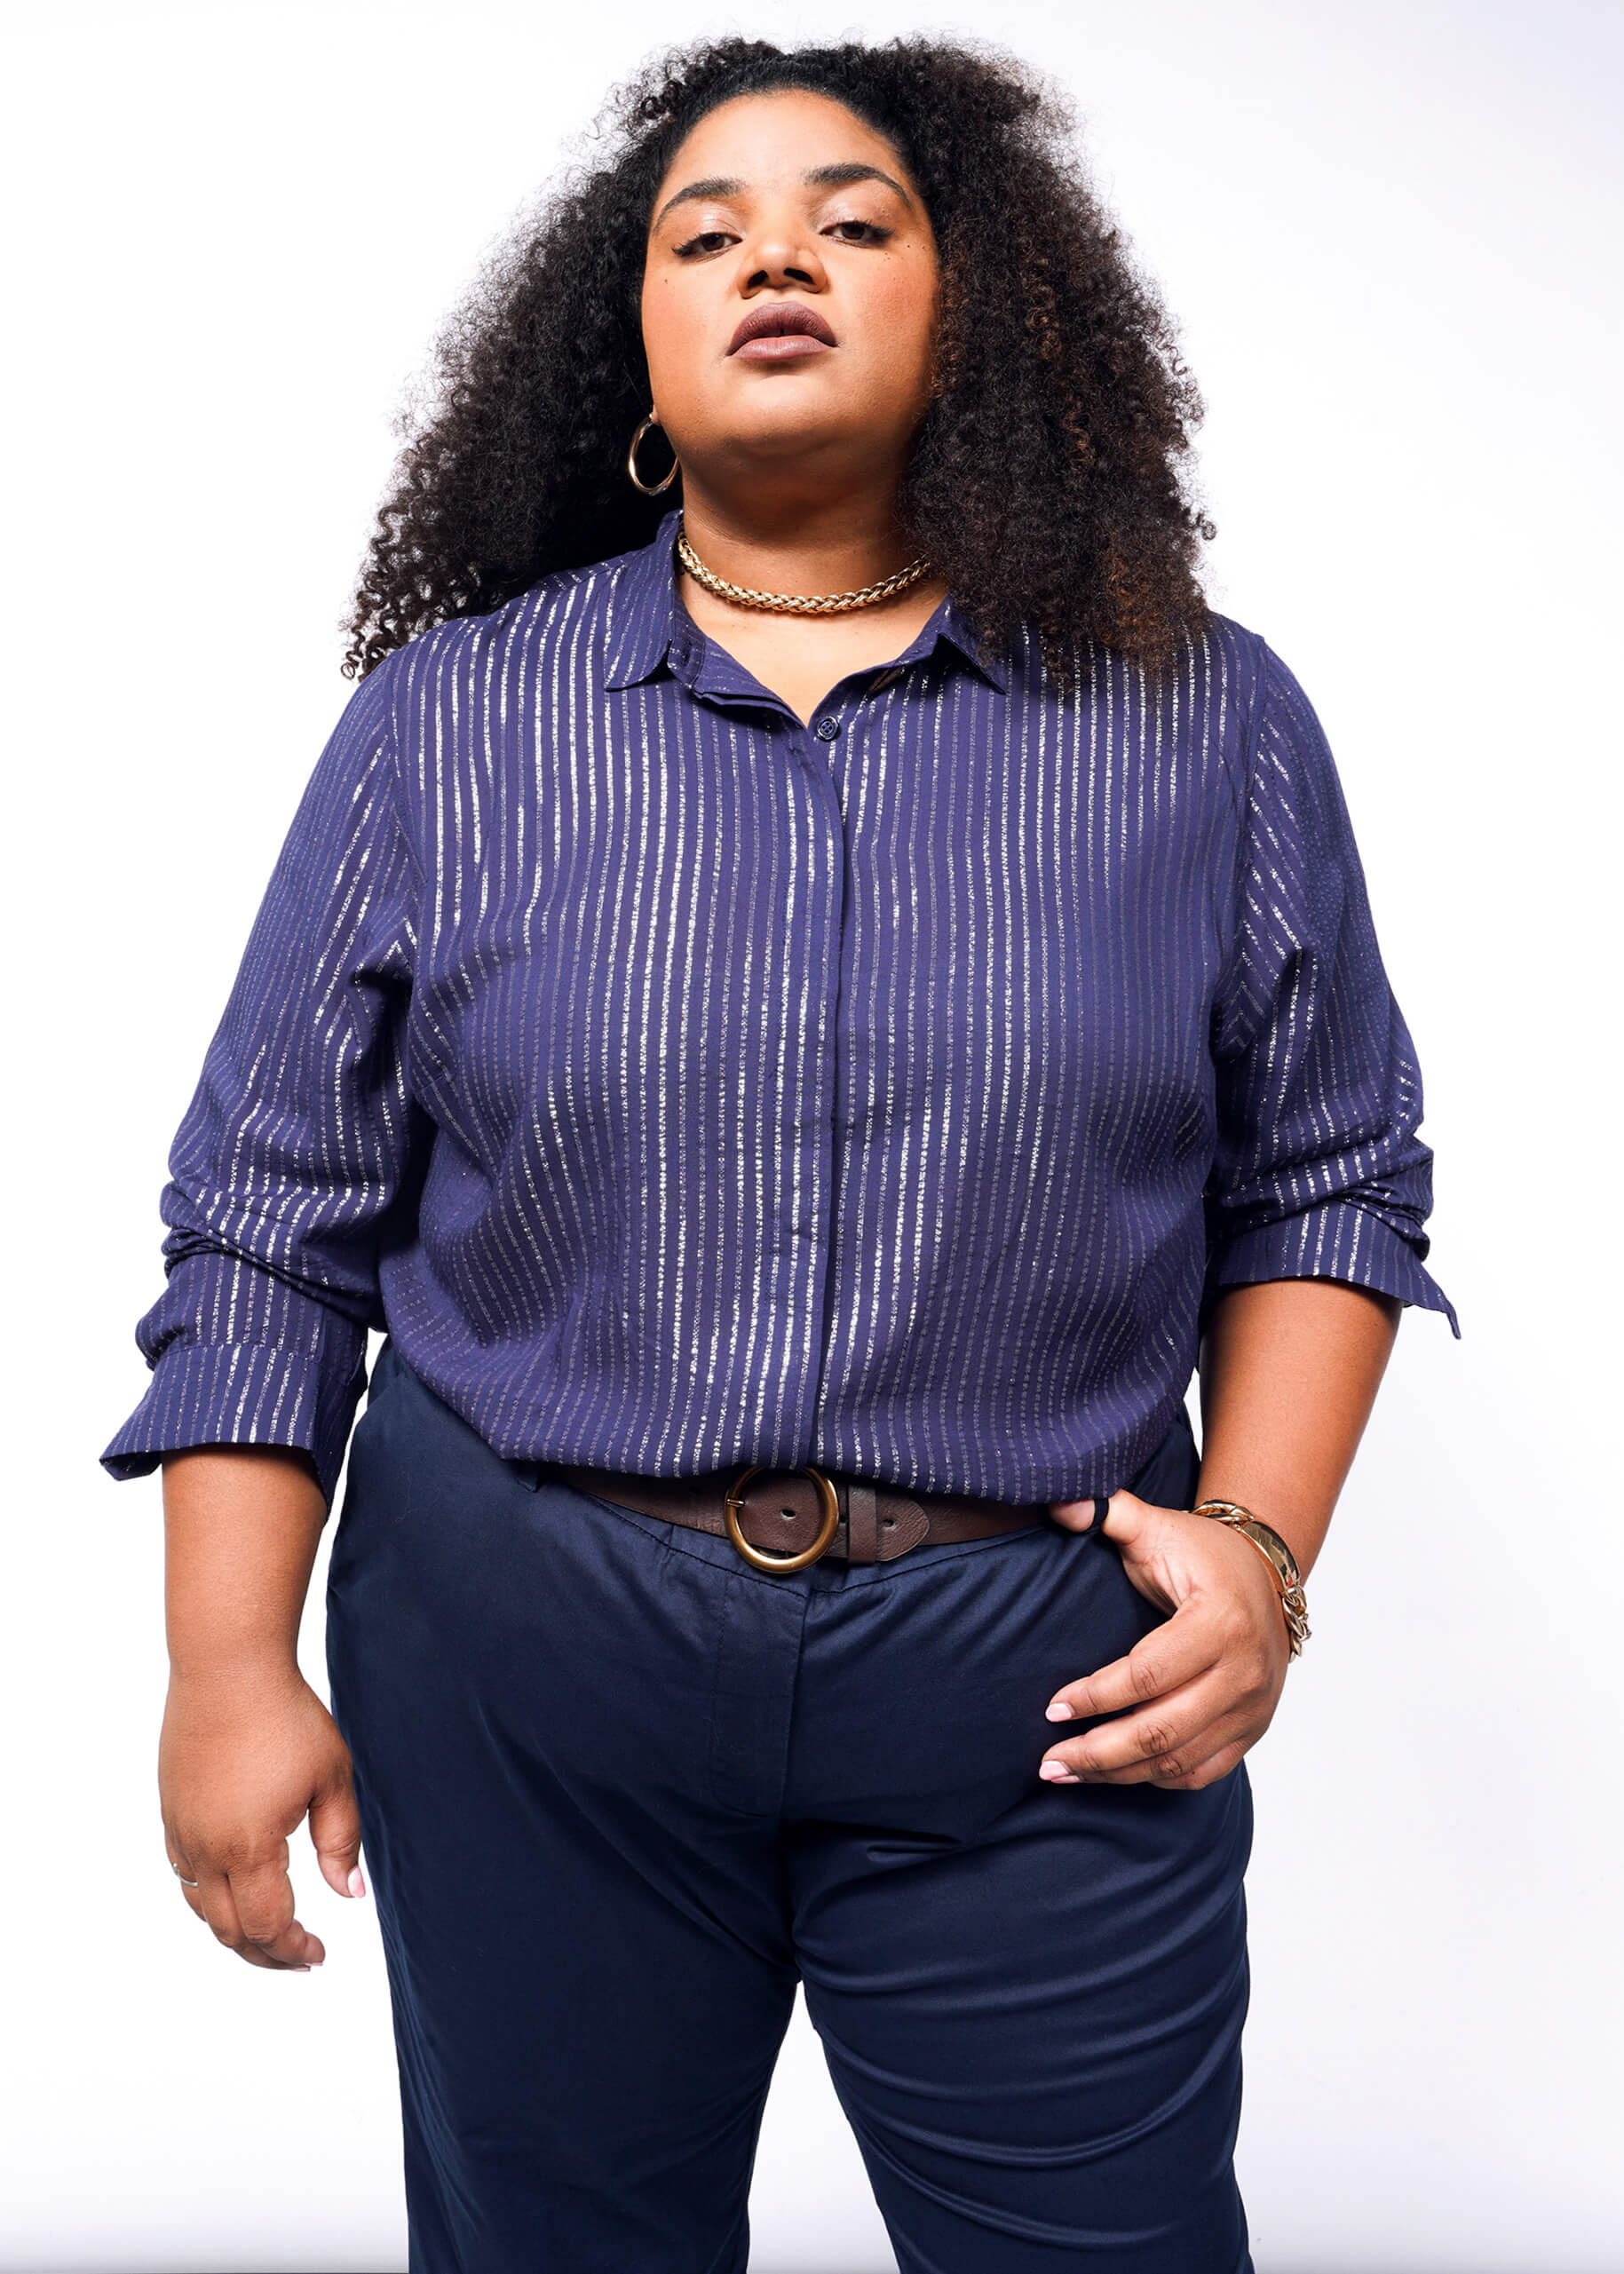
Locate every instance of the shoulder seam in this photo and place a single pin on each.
(1250, 740)
(390, 745)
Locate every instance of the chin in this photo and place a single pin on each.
(790, 434)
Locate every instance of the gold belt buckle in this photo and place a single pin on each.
(762, 1559)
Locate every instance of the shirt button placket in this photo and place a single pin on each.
(827, 942)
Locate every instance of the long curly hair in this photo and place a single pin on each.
(1047, 482)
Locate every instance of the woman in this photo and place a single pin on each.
(810, 971)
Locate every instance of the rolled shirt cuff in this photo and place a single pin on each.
(1339, 1240)
(246, 1393)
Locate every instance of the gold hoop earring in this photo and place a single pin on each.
(648, 488)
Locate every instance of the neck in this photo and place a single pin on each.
(803, 544)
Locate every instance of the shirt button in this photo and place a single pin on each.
(827, 728)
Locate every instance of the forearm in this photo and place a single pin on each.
(1290, 1373)
(247, 1750)
(242, 1525)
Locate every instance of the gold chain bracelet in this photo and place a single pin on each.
(1282, 1563)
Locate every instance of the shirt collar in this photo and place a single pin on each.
(651, 626)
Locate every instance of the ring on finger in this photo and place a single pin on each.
(180, 1876)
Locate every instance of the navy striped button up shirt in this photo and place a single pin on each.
(682, 1085)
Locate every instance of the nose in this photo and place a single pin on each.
(780, 256)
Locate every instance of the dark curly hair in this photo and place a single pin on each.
(1047, 482)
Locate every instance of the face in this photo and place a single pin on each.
(789, 295)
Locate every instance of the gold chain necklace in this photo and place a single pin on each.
(795, 603)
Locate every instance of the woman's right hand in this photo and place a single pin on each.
(246, 1754)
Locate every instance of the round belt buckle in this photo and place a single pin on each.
(762, 1558)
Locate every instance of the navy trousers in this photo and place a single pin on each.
(619, 1792)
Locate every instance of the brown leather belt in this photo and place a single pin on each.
(781, 1519)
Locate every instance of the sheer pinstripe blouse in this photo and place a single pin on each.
(681, 1086)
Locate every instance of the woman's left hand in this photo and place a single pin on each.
(1205, 1683)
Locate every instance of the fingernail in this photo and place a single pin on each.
(356, 1885)
(1056, 1773)
(1059, 1711)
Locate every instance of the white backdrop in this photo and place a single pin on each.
(1390, 231)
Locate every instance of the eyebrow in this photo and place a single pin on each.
(820, 178)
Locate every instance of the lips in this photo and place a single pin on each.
(780, 331)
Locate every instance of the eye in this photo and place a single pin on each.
(709, 240)
(857, 233)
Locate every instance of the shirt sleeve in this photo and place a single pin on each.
(296, 1142)
(1319, 1172)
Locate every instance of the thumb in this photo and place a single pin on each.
(1126, 1517)
(334, 1831)
(1139, 1529)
